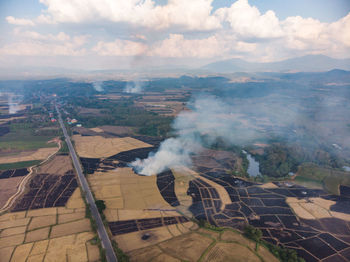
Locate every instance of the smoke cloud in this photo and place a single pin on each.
(98, 86)
(134, 87)
(209, 119)
(13, 105)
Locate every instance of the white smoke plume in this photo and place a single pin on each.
(134, 87)
(208, 120)
(13, 105)
(98, 86)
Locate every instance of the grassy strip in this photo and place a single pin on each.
(64, 148)
(94, 229)
(121, 256)
(18, 165)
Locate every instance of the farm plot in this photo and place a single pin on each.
(271, 209)
(205, 245)
(48, 234)
(98, 146)
(39, 154)
(50, 189)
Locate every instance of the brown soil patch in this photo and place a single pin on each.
(64, 218)
(269, 185)
(144, 254)
(5, 253)
(70, 228)
(98, 146)
(40, 154)
(36, 258)
(39, 247)
(38, 234)
(58, 165)
(8, 187)
(132, 241)
(314, 208)
(13, 216)
(116, 130)
(11, 240)
(21, 252)
(189, 247)
(42, 212)
(13, 231)
(230, 236)
(231, 252)
(97, 130)
(93, 252)
(75, 201)
(43, 221)
(14, 223)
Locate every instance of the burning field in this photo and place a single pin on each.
(144, 211)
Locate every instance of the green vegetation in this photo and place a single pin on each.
(252, 233)
(24, 136)
(283, 254)
(18, 165)
(123, 113)
(331, 178)
(100, 204)
(121, 256)
(64, 148)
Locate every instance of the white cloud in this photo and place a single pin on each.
(177, 46)
(31, 43)
(247, 21)
(120, 48)
(177, 29)
(19, 21)
(189, 15)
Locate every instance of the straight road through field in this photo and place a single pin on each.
(106, 243)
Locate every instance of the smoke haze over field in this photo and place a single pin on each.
(297, 117)
(13, 105)
(209, 120)
(134, 87)
(97, 85)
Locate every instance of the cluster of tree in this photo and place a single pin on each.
(122, 113)
(280, 159)
(283, 254)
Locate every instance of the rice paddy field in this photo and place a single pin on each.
(151, 216)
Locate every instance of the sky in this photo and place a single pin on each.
(127, 34)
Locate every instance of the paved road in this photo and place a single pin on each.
(106, 243)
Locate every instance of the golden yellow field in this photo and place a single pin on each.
(314, 208)
(40, 154)
(203, 244)
(98, 146)
(48, 234)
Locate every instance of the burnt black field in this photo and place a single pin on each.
(47, 190)
(326, 239)
(13, 173)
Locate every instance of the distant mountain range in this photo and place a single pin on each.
(308, 63)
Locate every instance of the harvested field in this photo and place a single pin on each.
(37, 234)
(191, 246)
(8, 187)
(47, 190)
(59, 165)
(116, 130)
(98, 146)
(40, 154)
(203, 243)
(78, 226)
(42, 221)
(13, 173)
(128, 226)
